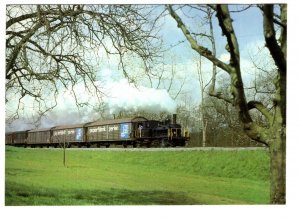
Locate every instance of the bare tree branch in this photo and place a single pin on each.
(202, 50)
(270, 37)
(53, 46)
(260, 107)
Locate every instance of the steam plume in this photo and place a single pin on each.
(121, 96)
(125, 96)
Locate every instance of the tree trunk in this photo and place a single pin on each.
(278, 134)
(278, 168)
(204, 123)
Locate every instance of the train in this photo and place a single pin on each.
(136, 132)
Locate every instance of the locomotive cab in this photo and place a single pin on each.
(153, 133)
(145, 129)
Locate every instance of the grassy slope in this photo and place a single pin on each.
(37, 177)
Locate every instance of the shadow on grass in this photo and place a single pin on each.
(16, 194)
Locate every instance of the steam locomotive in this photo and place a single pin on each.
(135, 132)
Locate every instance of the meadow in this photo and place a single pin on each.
(108, 177)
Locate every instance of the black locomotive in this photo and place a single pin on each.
(137, 132)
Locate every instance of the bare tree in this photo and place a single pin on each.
(202, 105)
(274, 134)
(63, 143)
(50, 47)
(166, 75)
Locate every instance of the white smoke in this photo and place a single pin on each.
(120, 96)
(125, 96)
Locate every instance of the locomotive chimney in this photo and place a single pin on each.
(174, 118)
(168, 120)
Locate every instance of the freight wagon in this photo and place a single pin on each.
(39, 137)
(18, 138)
(72, 135)
(9, 138)
(117, 131)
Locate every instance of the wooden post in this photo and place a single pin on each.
(64, 153)
(64, 147)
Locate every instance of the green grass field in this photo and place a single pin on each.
(104, 177)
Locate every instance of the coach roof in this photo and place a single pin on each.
(21, 131)
(117, 121)
(73, 126)
(40, 130)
